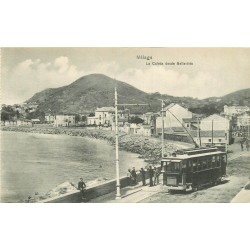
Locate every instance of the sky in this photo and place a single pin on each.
(211, 71)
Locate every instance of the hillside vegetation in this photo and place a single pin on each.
(97, 90)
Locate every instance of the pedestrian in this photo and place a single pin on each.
(133, 173)
(151, 173)
(81, 187)
(129, 175)
(143, 176)
(241, 144)
(247, 144)
(156, 176)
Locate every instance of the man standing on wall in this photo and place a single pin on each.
(81, 187)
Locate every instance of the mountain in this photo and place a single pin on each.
(97, 90)
(240, 97)
(92, 91)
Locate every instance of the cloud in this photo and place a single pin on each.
(172, 82)
(31, 76)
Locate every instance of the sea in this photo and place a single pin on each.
(36, 163)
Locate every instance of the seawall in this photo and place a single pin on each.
(94, 191)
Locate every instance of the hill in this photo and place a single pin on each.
(89, 92)
(97, 90)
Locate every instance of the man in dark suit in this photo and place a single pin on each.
(81, 187)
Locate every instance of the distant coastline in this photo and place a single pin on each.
(147, 147)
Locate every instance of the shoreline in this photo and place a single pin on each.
(148, 148)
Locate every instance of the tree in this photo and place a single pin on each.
(135, 119)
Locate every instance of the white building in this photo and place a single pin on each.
(235, 110)
(217, 123)
(106, 116)
(65, 120)
(169, 120)
(102, 116)
(209, 137)
(50, 118)
(243, 120)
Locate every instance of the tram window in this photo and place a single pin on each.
(224, 159)
(214, 161)
(194, 165)
(209, 162)
(198, 165)
(173, 167)
(218, 161)
(204, 163)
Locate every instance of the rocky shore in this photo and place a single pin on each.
(147, 147)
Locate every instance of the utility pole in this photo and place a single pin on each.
(118, 186)
(162, 130)
(212, 133)
(198, 131)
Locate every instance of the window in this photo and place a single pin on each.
(194, 165)
(209, 140)
(214, 161)
(204, 163)
(199, 165)
(173, 167)
(219, 140)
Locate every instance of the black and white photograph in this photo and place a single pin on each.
(125, 125)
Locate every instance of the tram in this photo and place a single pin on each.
(192, 169)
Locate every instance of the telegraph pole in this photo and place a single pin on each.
(162, 130)
(118, 186)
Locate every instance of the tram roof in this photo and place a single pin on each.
(185, 156)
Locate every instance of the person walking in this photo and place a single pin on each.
(133, 173)
(247, 144)
(241, 144)
(81, 187)
(143, 176)
(151, 173)
(129, 175)
(156, 176)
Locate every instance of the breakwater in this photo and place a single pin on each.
(147, 147)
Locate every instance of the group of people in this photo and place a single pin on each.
(246, 140)
(154, 174)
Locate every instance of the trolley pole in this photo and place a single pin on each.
(118, 187)
(162, 130)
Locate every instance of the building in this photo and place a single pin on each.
(230, 111)
(35, 121)
(209, 137)
(171, 113)
(105, 116)
(243, 120)
(24, 122)
(190, 123)
(10, 123)
(217, 123)
(64, 120)
(50, 118)
(144, 130)
(102, 116)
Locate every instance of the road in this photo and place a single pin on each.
(238, 174)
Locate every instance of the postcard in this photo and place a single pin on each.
(125, 125)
